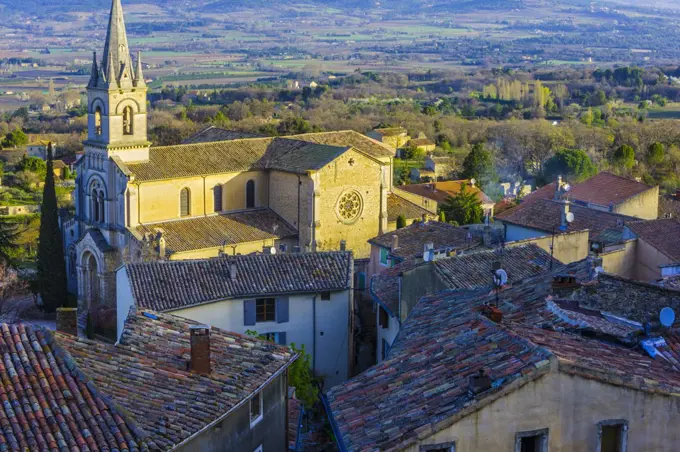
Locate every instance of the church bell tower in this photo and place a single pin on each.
(116, 97)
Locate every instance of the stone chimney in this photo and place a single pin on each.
(564, 211)
(200, 349)
(232, 271)
(67, 321)
(395, 243)
(161, 244)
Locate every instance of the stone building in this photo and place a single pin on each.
(315, 192)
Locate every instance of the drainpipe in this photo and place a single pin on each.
(314, 334)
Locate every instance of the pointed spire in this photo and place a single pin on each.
(116, 48)
(139, 75)
(94, 73)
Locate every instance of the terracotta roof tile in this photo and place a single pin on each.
(212, 133)
(168, 285)
(664, 235)
(396, 205)
(443, 190)
(412, 238)
(217, 230)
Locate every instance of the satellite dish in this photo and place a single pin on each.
(272, 250)
(500, 277)
(570, 217)
(473, 181)
(667, 317)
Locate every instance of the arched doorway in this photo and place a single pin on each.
(90, 280)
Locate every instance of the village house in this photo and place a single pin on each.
(422, 144)
(167, 384)
(610, 193)
(657, 249)
(437, 193)
(312, 192)
(394, 137)
(39, 149)
(582, 379)
(304, 299)
(442, 167)
(397, 290)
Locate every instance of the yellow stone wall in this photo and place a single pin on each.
(645, 205)
(568, 248)
(339, 177)
(622, 260)
(570, 407)
(284, 197)
(241, 248)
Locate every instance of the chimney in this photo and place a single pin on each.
(480, 382)
(486, 236)
(161, 245)
(266, 250)
(200, 349)
(232, 271)
(564, 211)
(558, 188)
(493, 313)
(395, 243)
(67, 321)
(343, 245)
(296, 249)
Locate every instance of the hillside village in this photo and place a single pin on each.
(241, 292)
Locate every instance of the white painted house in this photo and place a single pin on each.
(294, 298)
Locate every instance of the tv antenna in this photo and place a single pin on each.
(500, 278)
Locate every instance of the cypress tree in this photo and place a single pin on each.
(51, 263)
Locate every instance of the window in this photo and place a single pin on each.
(98, 121)
(612, 435)
(384, 252)
(256, 409)
(277, 338)
(533, 441)
(127, 121)
(442, 447)
(94, 214)
(325, 296)
(250, 194)
(265, 310)
(102, 217)
(184, 202)
(217, 198)
(72, 262)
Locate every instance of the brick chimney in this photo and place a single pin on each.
(200, 349)
(67, 321)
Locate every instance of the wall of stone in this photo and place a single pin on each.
(286, 200)
(570, 407)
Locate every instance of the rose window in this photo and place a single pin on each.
(349, 206)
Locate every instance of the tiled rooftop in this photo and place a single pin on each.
(544, 215)
(443, 190)
(601, 189)
(297, 154)
(217, 230)
(213, 133)
(168, 285)
(412, 238)
(391, 131)
(422, 387)
(146, 374)
(48, 405)
(664, 235)
(396, 205)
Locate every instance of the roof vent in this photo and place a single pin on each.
(480, 382)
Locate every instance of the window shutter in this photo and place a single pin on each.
(282, 310)
(249, 316)
(282, 338)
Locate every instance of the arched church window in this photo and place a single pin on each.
(250, 194)
(94, 201)
(184, 201)
(127, 120)
(102, 216)
(217, 198)
(98, 120)
(72, 262)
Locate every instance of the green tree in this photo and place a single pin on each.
(15, 139)
(33, 164)
(51, 264)
(401, 222)
(464, 208)
(295, 125)
(571, 163)
(403, 176)
(478, 164)
(442, 216)
(657, 152)
(624, 157)
(9, 238)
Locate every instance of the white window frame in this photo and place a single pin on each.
(544, 433)
(623, 423)
(258, 419)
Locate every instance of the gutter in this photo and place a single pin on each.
(238, 405)
(334, 425)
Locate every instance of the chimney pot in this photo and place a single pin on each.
(200, 348)
(67, 321)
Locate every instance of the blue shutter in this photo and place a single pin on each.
(282, 338)
(282, 310)
(249, 312)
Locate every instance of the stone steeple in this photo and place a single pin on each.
(139, 75)
(94, 73)
(116, 62)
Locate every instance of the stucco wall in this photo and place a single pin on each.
(514, 232)
(234, 433)
(568, 248)
(570, 407)
(426, 203)
(124, 299)
(284, 197)
(333, 336)
(388, 334)
(350, 172)
(622, 261)
(241, 248)
(645, 205)
(648, 261)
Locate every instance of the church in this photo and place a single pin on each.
(219, 193)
